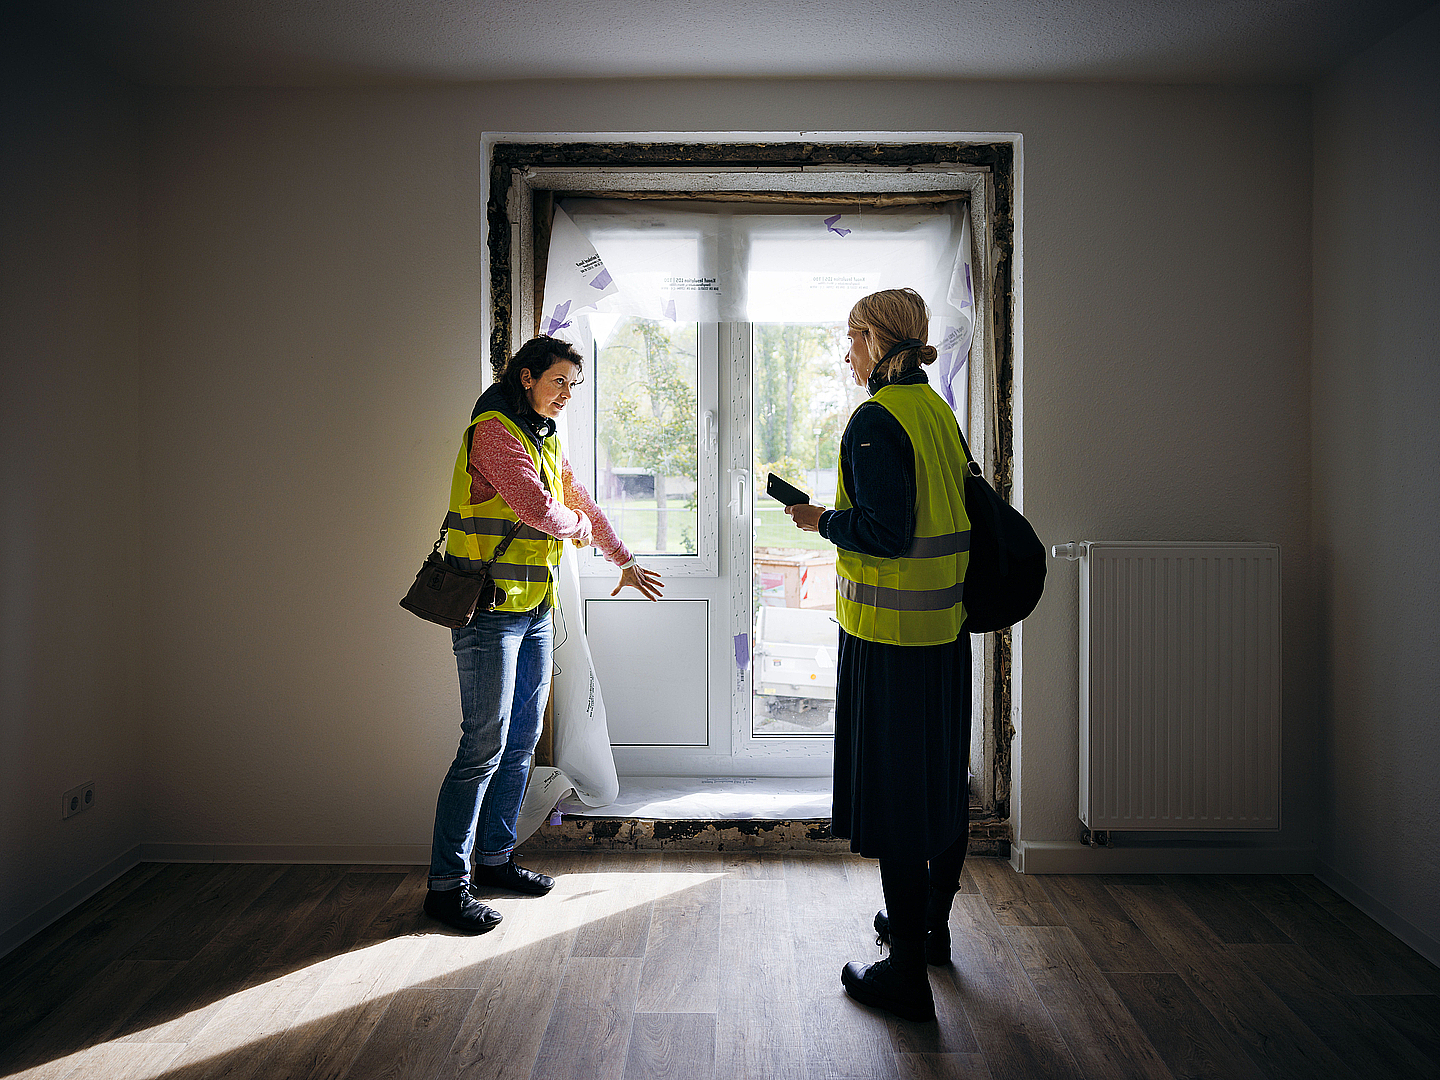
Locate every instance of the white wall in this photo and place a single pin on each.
(1376, 457)
(312, 345)
(1166, 382)
(69, 481)
(311, 335)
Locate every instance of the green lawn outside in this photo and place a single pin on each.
(636, 526)
(775, 530)
(634, 520)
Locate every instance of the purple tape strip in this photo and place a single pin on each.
(831, 226)
(742, 651)
(557, 321)
(942, 383)
(602, 279)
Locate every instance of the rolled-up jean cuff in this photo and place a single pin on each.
(445, 884)
(493, 860)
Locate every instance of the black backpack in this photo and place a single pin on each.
(1007, 560)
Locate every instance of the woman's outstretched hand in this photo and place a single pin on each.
(637, 577)
(806, 516)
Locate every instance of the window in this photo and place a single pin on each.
(645, 378)
(689, 405)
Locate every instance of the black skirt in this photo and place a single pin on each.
(902, 743)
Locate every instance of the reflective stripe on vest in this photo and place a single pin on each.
(918, 598)
(474, 530)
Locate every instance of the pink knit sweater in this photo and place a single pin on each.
(499, 463)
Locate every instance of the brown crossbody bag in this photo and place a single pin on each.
(450, 596)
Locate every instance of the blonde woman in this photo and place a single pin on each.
(902, 708)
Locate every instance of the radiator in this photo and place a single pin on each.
(1179, 686)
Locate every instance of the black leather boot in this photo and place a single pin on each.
(937, 924)
(461, 909)
(898, 984)
(937, 927)
(510, 875)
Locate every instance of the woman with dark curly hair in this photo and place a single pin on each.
(510, 478)
(902, 699)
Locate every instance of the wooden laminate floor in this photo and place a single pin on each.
(709, 965)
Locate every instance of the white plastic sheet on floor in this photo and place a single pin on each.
(584, 769)
(686, 798)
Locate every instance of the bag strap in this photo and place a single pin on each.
(971, 465)
(988, 507)
(444, 528)
(504, 543)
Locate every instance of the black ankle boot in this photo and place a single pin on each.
(937, 924)
(898, 984)
(937, 935)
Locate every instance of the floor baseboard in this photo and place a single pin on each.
(1423, 943)
(68, 901)
(360, 854)
(1073, 857)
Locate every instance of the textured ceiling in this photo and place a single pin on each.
(321, 42)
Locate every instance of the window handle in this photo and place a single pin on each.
(740, 494)
(712, 436)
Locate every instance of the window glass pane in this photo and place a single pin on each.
(646, 460)
(803, 397)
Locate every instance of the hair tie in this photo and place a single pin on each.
(901, 346)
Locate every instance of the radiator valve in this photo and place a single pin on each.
(1075, 549)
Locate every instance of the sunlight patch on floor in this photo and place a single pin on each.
(361, 977)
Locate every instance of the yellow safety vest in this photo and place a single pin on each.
(918, 598)
(475, 530)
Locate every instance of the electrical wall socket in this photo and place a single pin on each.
(77, 799)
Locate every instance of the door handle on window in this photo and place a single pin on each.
(712, 437)
(740, 493)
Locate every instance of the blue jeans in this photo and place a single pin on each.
(504, 660)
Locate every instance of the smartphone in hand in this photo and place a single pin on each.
(784, 492)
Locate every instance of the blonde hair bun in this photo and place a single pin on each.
(892, 316)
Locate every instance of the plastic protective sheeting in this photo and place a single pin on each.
(574, 274)
(730, 262)
(584, 769)
(952, 331)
